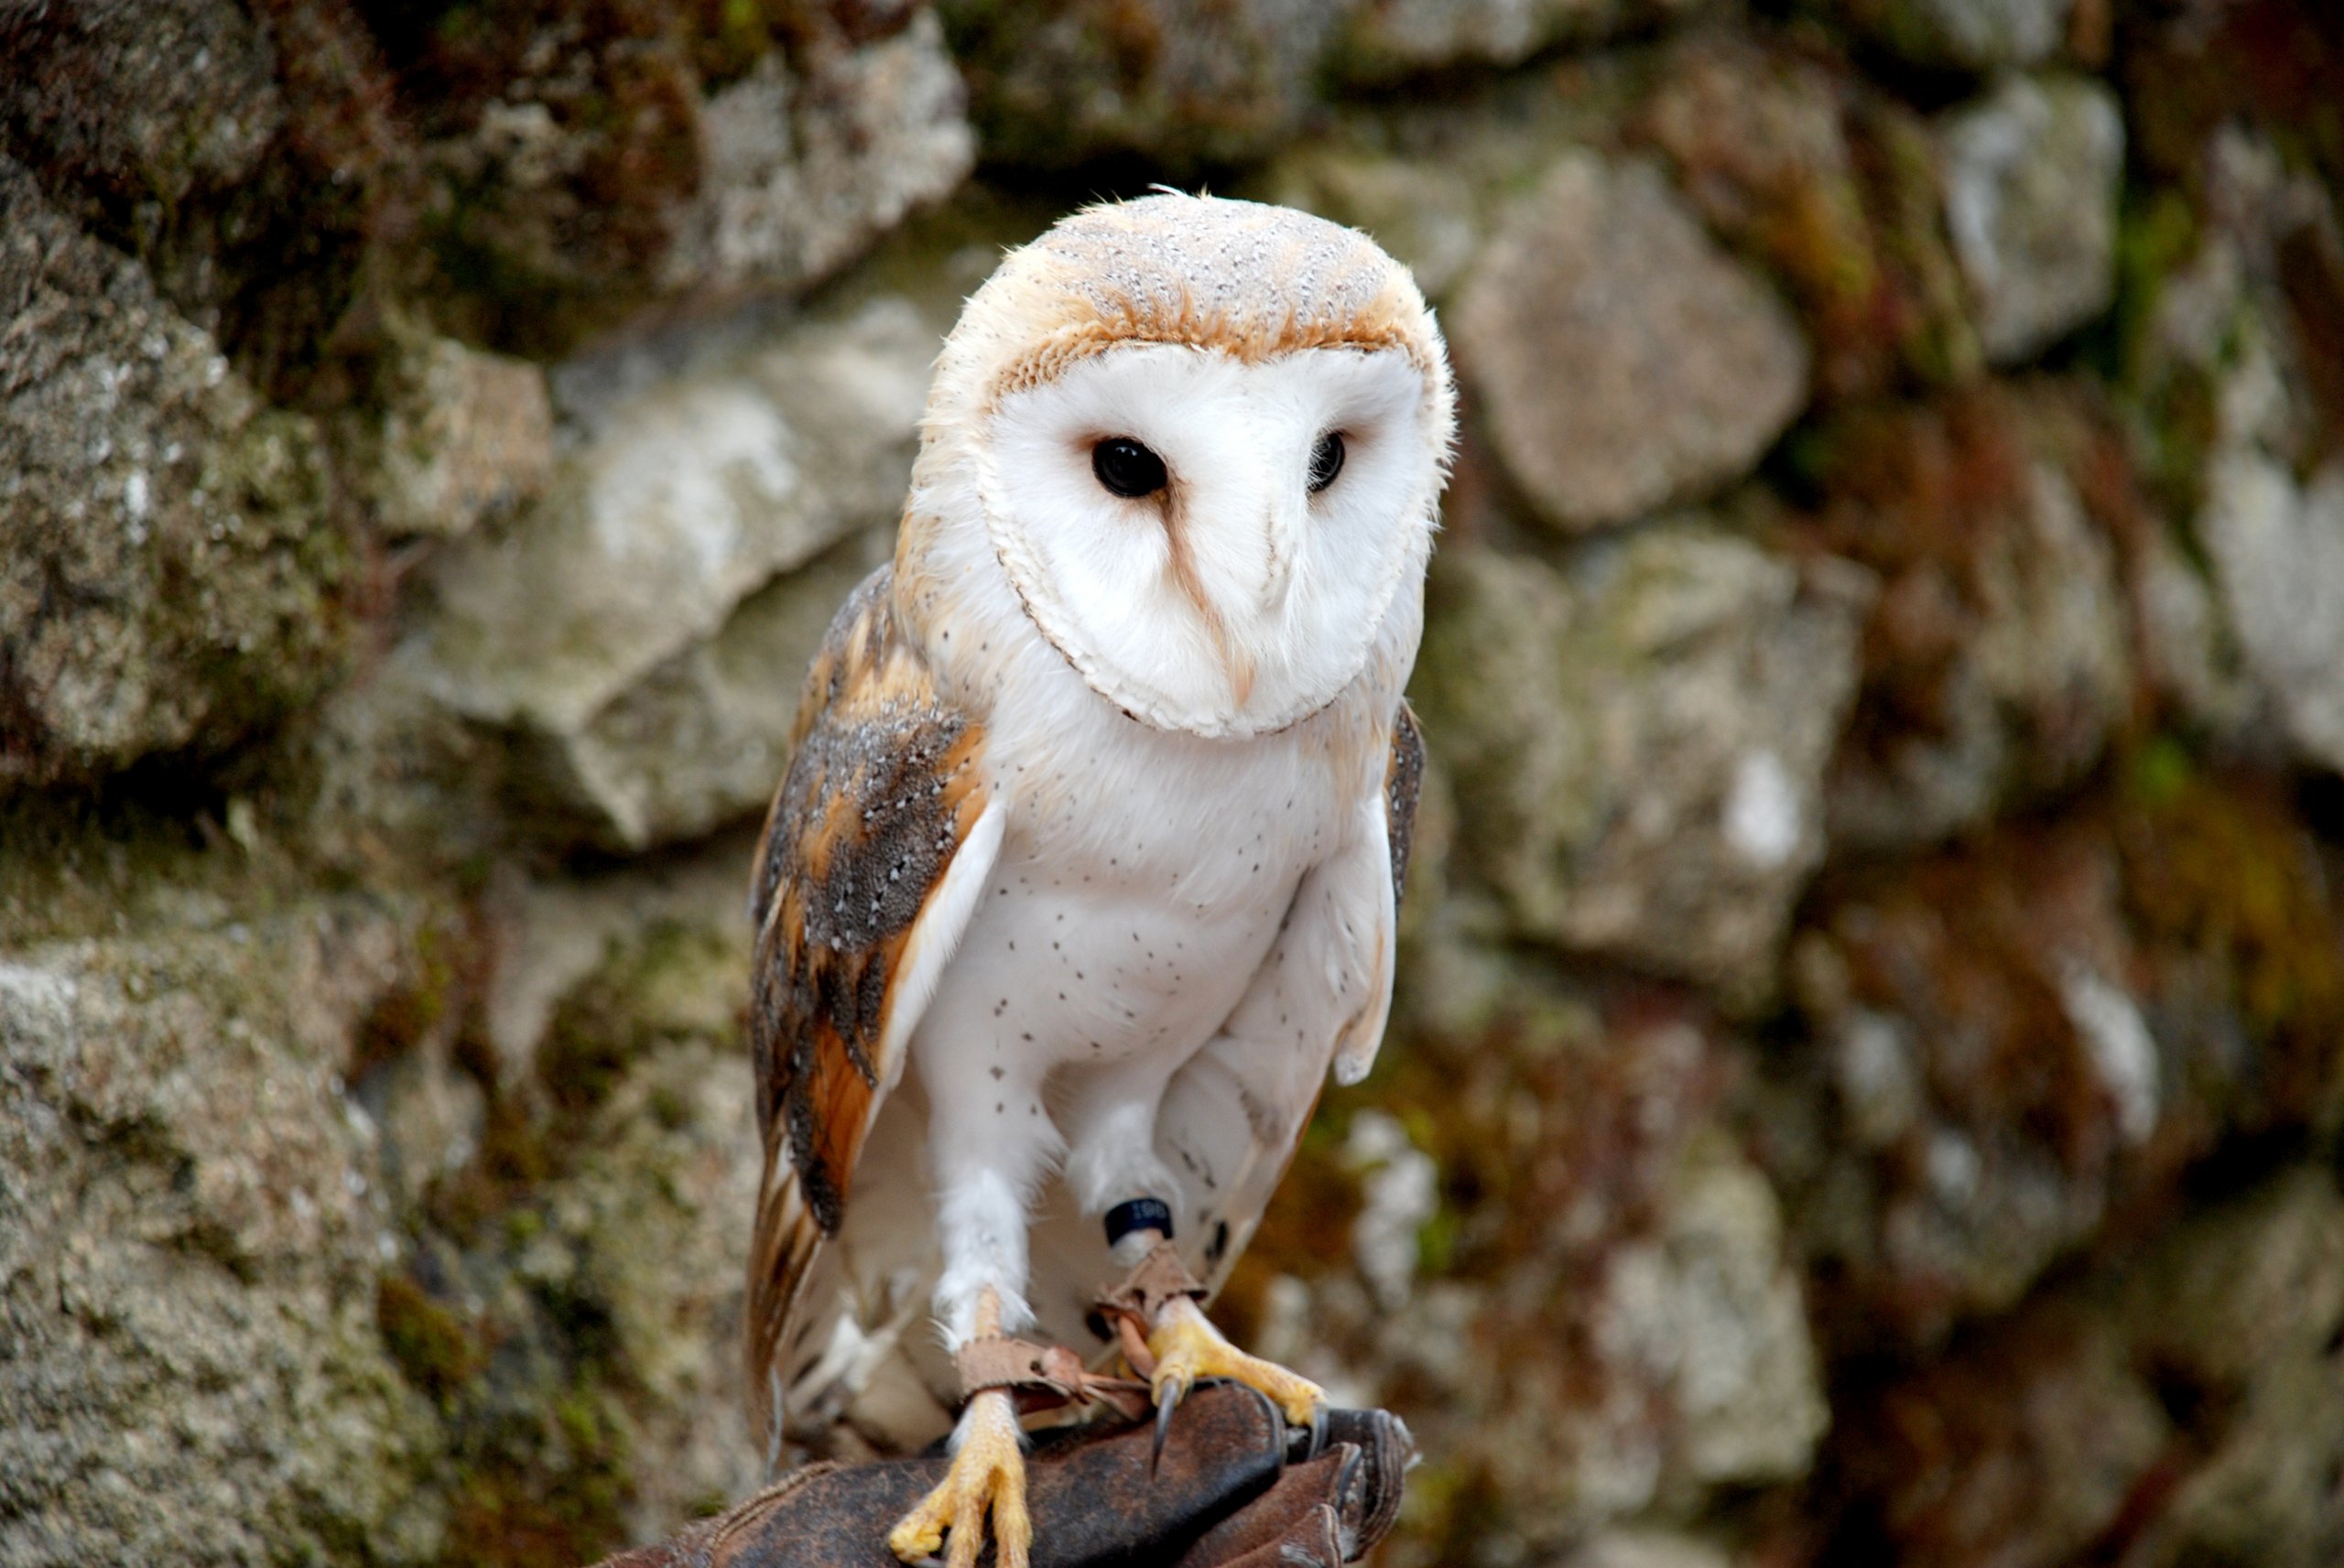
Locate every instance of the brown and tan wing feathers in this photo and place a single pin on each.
(885, 787)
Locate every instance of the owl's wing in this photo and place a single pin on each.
(873, 855)
(1232, 1116)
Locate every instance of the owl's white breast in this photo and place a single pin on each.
(1140, 881)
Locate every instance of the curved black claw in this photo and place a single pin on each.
(1167, 1400)
(1317, 1432)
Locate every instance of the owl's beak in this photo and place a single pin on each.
(1282, 532)
(1258, 635)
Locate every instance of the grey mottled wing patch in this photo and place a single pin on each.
(1404, 778)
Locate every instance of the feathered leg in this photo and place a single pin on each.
(988, 1476)
(990, 1143)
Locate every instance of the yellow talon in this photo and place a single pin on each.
(988, 1472)
(1187, 1346)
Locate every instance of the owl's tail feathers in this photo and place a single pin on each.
(781, 1255)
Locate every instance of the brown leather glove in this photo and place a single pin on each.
(1234, 1488)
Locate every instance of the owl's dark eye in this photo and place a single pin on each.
(1126, 468)
(1326, 461)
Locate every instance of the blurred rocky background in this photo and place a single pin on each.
(1870, 1050)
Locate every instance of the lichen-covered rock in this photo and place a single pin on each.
(2068, 1431)
(1638, 748)
(243, 155)
(1788, 159)
(2245, 1303)
(1391, 39)
(1977, 1069)
(1973, 35)
(2229, 374)
(690, 499)
(2008, 1044)
(2031, 172)
(169, 559)
(1997, 659)
(578, 168)
(1604, 1321)
(465, 435)
(652, 1222)
(139, 103)
(799, 176)
(572, 1282)
(1682, 368)
(190, 1234)
(1055, 84)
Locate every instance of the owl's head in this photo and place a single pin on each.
(1205, 440)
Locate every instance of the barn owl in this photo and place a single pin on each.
(1084, 871)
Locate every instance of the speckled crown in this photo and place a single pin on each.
(1251, 280)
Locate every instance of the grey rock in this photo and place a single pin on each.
(798, 177)
(2031, 173)
(1709, 1309)
(1988, 1216)
(2188, 647)
(1399, 1189)
(1431, 179)
(2277, 548)
(465, 435)
(1629, 1548)
(1389, 39)
(428, 1117)
(692, 496)
(191, 1227)
(1682, 367)
(1877, 1075)
(1974, 34)
(702, 740)
(168, 557)
(1056, 84)
(1638, 748)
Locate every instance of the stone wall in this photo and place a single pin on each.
(1869, 1048)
